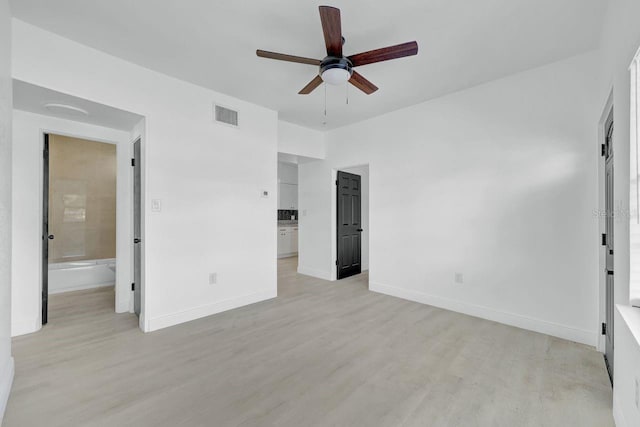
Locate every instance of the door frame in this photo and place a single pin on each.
(124, 224)
(334, 218)
(602, 262)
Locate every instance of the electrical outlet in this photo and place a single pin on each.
(213, 278)
(459, 278)
(156, 205)
(637, 393)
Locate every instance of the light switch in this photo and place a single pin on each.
(265, 194)
(156, 205)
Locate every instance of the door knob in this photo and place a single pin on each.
(136, 240)
(51, 237)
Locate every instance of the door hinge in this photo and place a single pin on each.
(603, 150)
(336, 262)
(604, 239)
(336, 182)
(604, 329)
(133, 162)
(133, 286)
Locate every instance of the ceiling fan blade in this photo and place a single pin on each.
(332, 28)
(361, 83)
(288, 58)
(384, 54)
(311, 86)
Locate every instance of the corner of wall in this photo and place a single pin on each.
(6, 381)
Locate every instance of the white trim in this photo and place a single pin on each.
(6, 380)
(178, 317)
(24, 328)
(512, 319)
(618, 415)
(324, 275)
(81, 287)
(288, 255)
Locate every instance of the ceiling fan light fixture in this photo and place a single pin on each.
(335, 76)
(335, 68)
(336, 71)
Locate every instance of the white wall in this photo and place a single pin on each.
(6, 361)
(315, 219)
(620, 41)
(496, 182)
(287, 173)
(27, 210)
(363, 171)
(198, 169)
(300, 141)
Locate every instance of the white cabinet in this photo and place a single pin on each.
(287, 196)
(287, 241)
(293, 238)
(284, 241)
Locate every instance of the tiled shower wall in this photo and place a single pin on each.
(82, 199)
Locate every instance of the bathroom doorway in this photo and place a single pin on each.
(79, 218)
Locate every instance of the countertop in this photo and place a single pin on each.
(286, 223)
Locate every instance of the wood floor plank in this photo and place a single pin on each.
(322, 353)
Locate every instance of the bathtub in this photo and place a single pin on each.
(77, 275)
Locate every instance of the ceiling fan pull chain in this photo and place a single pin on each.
(325, 105)
(347, 86)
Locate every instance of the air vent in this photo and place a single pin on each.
(226, 115)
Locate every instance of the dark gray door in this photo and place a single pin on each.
(609, 206)
(349, 225)
(45, 231)
(137, 228)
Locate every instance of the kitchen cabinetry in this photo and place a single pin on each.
(287, 241)
(287, 196)
(293, 238)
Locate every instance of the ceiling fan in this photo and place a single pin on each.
(336, 68)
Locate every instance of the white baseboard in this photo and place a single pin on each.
(519, 321)
(6, 380)
(324, 275)
(25, 327)
(79, 288)
(289, 255)
(618, 416)
(172, 319)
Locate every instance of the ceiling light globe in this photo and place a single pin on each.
(335, 76)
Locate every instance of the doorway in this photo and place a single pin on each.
(79, 219)
(349, 225)
(352, 221)
(608, 241)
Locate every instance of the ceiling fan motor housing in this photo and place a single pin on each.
(332, 62)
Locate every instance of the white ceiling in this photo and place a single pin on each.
(212, 43)
(32, 98)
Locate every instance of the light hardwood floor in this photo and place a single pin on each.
(321, 354)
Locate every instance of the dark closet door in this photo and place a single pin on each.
(45, 230)
(349, 225)
(137, 228)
